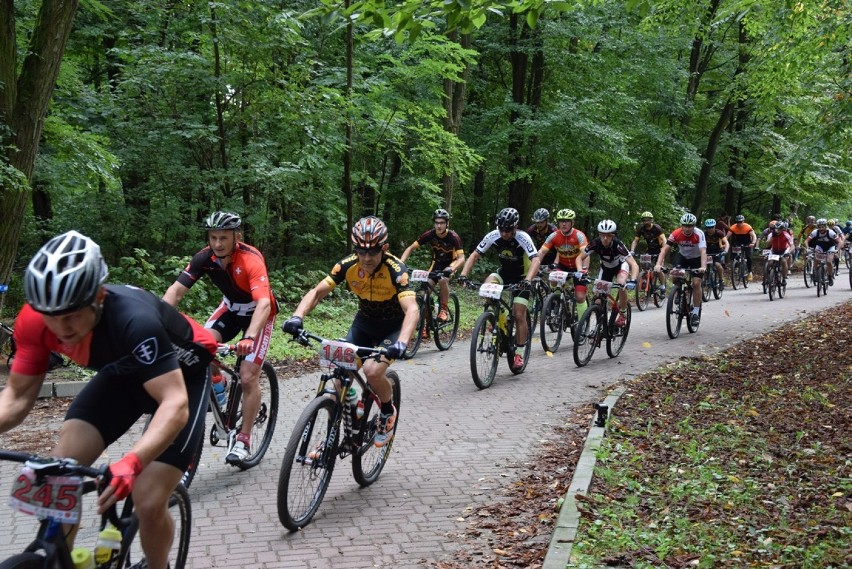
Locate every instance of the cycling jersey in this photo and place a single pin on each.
(807, 230)
(689, 246)
(651, 235)
(514, 254)
(779, 243)
(825, 240)
(714, 238)
(378, 293)
(243, 282)
(539, 237)
(611, 257)
(740, 233)
(567, 247)
(444, 249)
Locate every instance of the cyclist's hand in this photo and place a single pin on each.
(293, 325)
(448, 272)
(524, 285)
(123, 473)
(700, 270)
(465, 282)
(657, 268)
(631, 284)
(245, 346)
(396, 350)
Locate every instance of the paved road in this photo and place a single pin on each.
(455, 447)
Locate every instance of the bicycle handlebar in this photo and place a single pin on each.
(305, 338)
(226, 349)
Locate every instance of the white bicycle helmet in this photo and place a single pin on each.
(688, 219)
(607, 226)
(65, 275)
(222, 220)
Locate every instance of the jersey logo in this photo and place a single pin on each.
(146, 352)
(238, 270)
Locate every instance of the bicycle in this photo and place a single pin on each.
(494, 334)
(539, 291)
(443, 331)
(52, 490)
(8, 349)
(680, 302)
(808, 270)
(560, 310)
(739, 265)
(820, 276)
(847, 253)
(329, 427)
(594, 325)
(712, 277)
(228, 418)
(774, 282)
(647, 286)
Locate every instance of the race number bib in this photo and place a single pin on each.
(558, 277)
(491, 290)
(602, 287)
(334, 353)
(57, 497)
(419, 276)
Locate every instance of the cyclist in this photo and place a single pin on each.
(387, 308)
(655, 238)
(567, 242)
(519, 263)
(834, 226)
(825, 240)
(781, 242)
(717, 246)
(148, 358)
(741, 234)
(692, 254)
(248, 307)
(447, 255)
(807, 229)
(540, 230)
(616, 260)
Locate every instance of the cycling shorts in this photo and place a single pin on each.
(518, 296)
(611, 273)
(685, 263)
(374, 333)
(228, 324)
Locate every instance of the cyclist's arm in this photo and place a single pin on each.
(458, 260)
(753, 238)
(259, 318)
(661, 239)
(724, 243)
(634, 267)
(661, 258)
(175, 293)
(535, 265)
(408, 251)
(578, 262)
(412, 315)
(633, 243)
(17, 398)
(469, 263)
(312, 298)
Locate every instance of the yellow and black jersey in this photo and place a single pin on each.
(378, 293)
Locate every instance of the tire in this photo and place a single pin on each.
(819, 275)
(510, 353)
(302, 482)
(538, 296)
(735, 274)
(642, 291)
(267, 417)
(551, 324)
(770, 278)
(484, 350)
(617, 336)
(24, 561)
(659, 280)
(674, 318)
(807, 272)
(692, 329)
(586, 335)
(181, 512)
(369, 460)
(417, 337)
(718, 285)
(782, 288)
(847, 258)
(446, 332)
(744, 274)
(706, 286)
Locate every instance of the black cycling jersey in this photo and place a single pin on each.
(443, 248)
(714, 241)
(611, 256)
(651, 235)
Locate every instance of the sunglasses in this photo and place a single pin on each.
(371, 252)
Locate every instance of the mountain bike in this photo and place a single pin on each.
(820, 276)
(443, 331)
(739, 266)
(494, 334)
(808, 270)
(228, 418)
(680, 302)
(560, 310)
(598, 322)
(649, 285)
(52, 489)
(8, 349)
(774, 280)
(847, 253)
(717, 280)
(329, 428)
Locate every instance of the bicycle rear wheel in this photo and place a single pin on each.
(303, 479)
(267, 416)
(24, 560)
(617, 335)
(551, 322)
(445, 332)
(417, 337)
(642, 291)
(513, 348)
(674, 317)
(586, 335)
(180, 511)
(484, 351)
(847, 258)
(368, 460)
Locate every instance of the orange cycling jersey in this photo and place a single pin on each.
(741, 229)
(567, 246)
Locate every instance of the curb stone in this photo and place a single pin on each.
(562, 540)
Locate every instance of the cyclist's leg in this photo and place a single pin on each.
(621, 278)
(151, 494)
(520, 305)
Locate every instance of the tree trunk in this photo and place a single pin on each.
(707, 158)
(347, 130)
(220, 112)
(24, 104)
(454, 96)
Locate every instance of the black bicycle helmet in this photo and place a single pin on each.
(441, 214)
(369, 232)
(65, 275)
(541, 214)
(507, 218)
(222, 220)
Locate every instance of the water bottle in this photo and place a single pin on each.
(82, 558)
(501, 322)
(352, 402)
(219, 385)
(107, 548)
(352, 399)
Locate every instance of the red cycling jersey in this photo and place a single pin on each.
(567, 247)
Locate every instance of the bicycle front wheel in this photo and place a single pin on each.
(770, 279)
(181, 513)
(744, 274)
(718, 285)
(706, 285)
(267, 415)
(819, 276)
(422, 327)
(735, 274)
(24, 561)
(369, 460)
(642, 290)
(446, 331)
(674, 316)
(617, 335)
(586, 335)
(307, 464)
(551, 322)
(484, 352)
(807, 272)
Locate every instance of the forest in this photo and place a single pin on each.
(131, 120)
